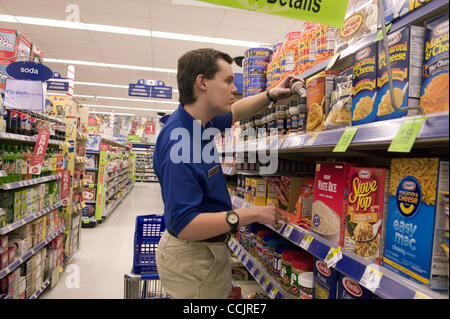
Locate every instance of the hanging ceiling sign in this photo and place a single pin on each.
(29, 71)
(57, 83)
(150, 88)
(328, 12)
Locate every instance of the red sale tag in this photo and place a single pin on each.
(65, 184)
(40, 149)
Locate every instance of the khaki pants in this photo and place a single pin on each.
(193, 270)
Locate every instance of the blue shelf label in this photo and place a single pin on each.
(161, 92)
(58, 86)
(140, 90)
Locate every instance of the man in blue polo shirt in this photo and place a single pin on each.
(192, 257)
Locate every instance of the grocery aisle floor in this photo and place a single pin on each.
(106, 252)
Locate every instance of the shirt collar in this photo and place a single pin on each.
(188, 120)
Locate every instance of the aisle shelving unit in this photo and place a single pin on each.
(144, 162)
(113, 168)
(370, 145)
(383, 282)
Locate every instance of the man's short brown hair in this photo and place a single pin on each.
(193, 63)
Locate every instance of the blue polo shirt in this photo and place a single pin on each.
(187, 165)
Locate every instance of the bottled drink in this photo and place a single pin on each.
(13, 122)
(33, 129)
(6, 117)
(23, 123)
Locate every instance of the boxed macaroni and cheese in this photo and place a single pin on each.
(434, 93)
(365, 65)
(406, 57)
(413, 219)
(394, 9)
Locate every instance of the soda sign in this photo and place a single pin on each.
(40, 149)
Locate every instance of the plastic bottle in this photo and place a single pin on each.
(286, 267)
(302, 115)
(294, 110)
(6, 117)
(305, 281)
(288, 119)
(300, 264)
(258, 125)
(13, 122)
(271, 251)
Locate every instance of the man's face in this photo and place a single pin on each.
(220, 89)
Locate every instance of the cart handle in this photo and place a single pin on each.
(152, 276)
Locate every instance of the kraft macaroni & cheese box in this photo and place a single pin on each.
(434, 93)
(365, 64)
(394, 9)
(412, 218)
(406, 56)
(325, 281)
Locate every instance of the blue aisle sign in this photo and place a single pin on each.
(57, 83)
(150, 89)
(29, 71)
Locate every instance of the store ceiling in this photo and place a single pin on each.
(175, 16)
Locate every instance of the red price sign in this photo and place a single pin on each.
(40, 149)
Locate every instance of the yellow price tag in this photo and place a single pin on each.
(306, 241)
(420, 295)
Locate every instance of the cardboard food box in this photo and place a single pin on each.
(366, 208)
(325, 281)
(395, 9)
(259, 191)
(330, 200)
(272, 199)
(350, 289)
(287, 190)
(248, 189)
(435, 79)
(365, 65)
(406, 56)
(318, 94)
(415, 223)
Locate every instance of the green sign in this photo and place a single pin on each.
(406, 135)
(346, 139)
(328, 12)
(133, 138)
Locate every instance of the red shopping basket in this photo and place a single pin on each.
(149, 229)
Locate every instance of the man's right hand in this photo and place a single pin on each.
(267, 215)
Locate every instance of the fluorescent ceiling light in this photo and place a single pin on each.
(109, 85)
(124, 30)
(127, 108)
(129, 114)
(109, 65)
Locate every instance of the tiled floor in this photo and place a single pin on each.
(106, 252)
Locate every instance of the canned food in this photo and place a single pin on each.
(254, 80)
(262, 52)
(255, 70)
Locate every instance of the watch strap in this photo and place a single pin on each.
(234, 227)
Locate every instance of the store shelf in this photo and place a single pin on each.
(113, 143)
(41, 289)
(117, 190)
(8, 228)
(386, 284)
(90, 202)
(124, 170)
(92, 152)
(28, 139)
(269, 284)
(377, 135)
(28, 254)
(91, 169)
(29, 182)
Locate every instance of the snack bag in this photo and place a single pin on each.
(340, 110)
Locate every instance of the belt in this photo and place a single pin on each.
(221, 238)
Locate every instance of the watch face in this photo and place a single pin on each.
(233, 219)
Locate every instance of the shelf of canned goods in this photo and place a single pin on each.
(379, 280)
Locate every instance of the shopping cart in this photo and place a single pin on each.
(143, 281)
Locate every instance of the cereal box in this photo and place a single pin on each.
(330, 201)
(410, 226)
(406, 56)
(434, 93)
(365, 211)
(350, 289)
(365, 63)
(318, 95)
(325, 281)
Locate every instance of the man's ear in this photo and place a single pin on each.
(200, 82)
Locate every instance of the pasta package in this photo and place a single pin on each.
(434, 93)
(318, 95)
(340, 109)
(330, 200)
(365, 64)
(406, 56)
(365, 210)
(414, 221)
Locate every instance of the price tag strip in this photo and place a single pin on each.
(273, 293)
(345, 139)
(333, 256)
(288, 230)
(371, 278)
(306, 241)
(406, 135)
(311, 138)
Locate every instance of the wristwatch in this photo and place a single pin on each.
(233, 220)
